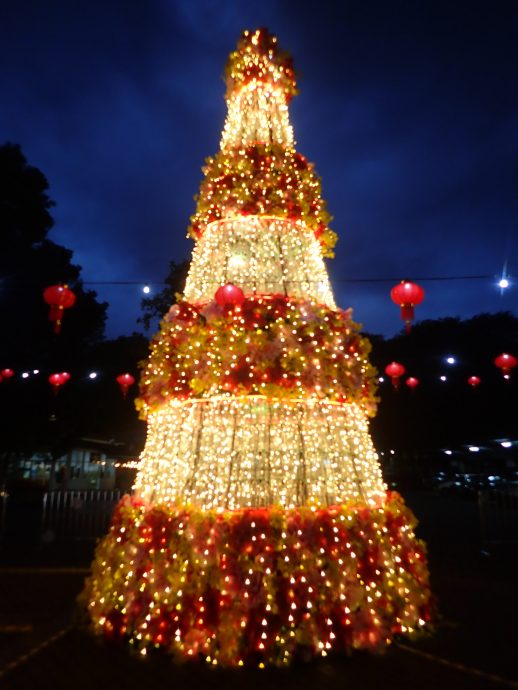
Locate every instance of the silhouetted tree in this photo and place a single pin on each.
(29, 264)
(444, 414)
(155, 307)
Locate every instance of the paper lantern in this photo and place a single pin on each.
(58, 380)
(412, 382)
(6, 374)
(506, 362)
(395, 371)
(407, 295)
(125, 381)
(59, 297)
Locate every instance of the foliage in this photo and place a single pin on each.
(443, 414)
(155, 307)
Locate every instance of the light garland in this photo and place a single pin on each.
(256, 451)
(262, 255)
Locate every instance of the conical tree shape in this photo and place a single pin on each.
(260, 522)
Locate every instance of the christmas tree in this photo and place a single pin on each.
(260, 527)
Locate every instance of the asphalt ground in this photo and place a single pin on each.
(474, 644)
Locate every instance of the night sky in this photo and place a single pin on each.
(409, 111)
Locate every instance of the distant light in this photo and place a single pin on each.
(146, 289)
(473, 449)
(503, 283)
(448, 452)
(381, 379)
(451, 360)
(506, 444)
(36, 371)
(392, 452)
(92, 375)
(443, 378)
(25, 375)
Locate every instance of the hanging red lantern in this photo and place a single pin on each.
(125, 381)
(506, 362)
(6, 374)
(407, 295)
(474, 381)
(395, 371)
(59, 297)
(412, 382)
(58, 380)
(229, 296)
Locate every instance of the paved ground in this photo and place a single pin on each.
(474, 646)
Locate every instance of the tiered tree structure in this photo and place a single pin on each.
(260, 527)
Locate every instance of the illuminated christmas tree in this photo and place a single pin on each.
(260, 527)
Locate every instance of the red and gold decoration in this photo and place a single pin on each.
(271, 345)
(407, 295)
(259, 586)
(260, 529)
(125, 381)
(59, 297)
(59, 379)
(395, 370)
(506, 363)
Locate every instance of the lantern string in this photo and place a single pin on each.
(336, 280)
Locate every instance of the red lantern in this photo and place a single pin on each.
(407, 295)
(474, 381)
(412, 382)
(229, 296)
(506, 362)
(58, 380)
(6, 374)
(59, 297)
(395, 371)
(125, 381)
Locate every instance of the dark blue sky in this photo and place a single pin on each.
(409, 111)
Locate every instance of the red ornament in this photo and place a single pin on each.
(59, 297)
(506, 362)
(412, 382)
(395, 371)
(125, 381)
(229, 296)
(6, 374)
(474, 381)
(407, 295)
(58, 380)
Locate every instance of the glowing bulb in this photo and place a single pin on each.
(503, 283)
(506, 444)
(146, 289)
(451, 360)
(25, 375)
(92, 375)
(443, 378)
(473, 449)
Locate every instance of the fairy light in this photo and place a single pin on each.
(263, 256)
(260, 517)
